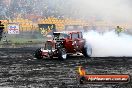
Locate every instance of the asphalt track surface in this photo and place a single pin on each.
(19, 69)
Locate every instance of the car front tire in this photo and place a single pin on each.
(38, 54)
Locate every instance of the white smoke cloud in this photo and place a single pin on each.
(109, 44)
(111, 10)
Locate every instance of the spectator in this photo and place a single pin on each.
(1, 30)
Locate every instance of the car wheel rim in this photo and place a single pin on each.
(64, 55)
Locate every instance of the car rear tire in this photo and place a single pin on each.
(38, 54)
(62, 54)
(87, 51)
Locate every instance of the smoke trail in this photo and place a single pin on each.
(109, 44)
(108, 10)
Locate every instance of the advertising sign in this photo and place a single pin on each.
(13, 29)
(47, 29)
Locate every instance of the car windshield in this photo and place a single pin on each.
(60, 35)
(74, 35)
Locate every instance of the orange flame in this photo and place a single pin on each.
(81, 71)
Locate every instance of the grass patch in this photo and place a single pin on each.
(19, 41)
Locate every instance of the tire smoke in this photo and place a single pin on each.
(109, 44)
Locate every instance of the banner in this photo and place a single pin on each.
(47, 29)
(13, 29)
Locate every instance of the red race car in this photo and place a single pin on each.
(64, 44)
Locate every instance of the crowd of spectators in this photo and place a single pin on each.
(36, 9)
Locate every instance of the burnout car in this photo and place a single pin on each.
(64, 44)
